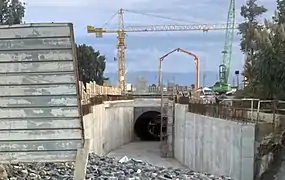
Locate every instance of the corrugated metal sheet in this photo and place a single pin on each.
(40, 116)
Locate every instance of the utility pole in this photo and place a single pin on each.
(204, 79)
(237, 77)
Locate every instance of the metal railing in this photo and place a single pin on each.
(253, 110)
(219, 111)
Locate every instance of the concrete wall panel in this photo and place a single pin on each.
(138, 111)
(147, 102)
(179, 132)
(118, 127)
(208, 144)
(109, 127)
(40, 111)
(247, 151)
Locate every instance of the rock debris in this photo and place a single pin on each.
(104, 168)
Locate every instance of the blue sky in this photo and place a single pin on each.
(144, 49)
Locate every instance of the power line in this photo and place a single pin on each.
(157, 16)
(111, 18)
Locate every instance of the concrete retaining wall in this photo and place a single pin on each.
(208, 144)
(109, 127)
(281, 172)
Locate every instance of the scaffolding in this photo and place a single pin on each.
(167, 121)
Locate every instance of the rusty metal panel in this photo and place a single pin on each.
(40, 111)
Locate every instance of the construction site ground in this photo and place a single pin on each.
(147, 151)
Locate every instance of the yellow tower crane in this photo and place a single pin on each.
(122, 30)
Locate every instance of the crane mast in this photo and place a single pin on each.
(224, 69)
(121, 52)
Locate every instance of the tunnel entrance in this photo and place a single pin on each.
(147, 126)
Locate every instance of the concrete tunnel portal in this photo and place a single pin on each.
(147, 126)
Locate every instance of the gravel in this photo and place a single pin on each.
(104, 168)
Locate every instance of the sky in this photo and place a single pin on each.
(144, 49)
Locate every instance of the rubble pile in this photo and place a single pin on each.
(102, 167)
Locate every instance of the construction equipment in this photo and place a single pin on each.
(223, 86)
(196, 60)
(122, 30)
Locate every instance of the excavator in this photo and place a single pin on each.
(222, 86)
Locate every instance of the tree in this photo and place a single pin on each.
(270, 66)
(11, 12)
(281, 11)
(263, 50)
(268, 59)
(250, 12)
(91, 65)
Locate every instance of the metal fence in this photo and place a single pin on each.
(99, 99)
(219, 111)
(93, 94)
(253, 110)
(93, 90)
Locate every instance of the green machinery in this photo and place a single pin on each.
(223, 86)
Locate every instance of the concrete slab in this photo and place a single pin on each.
(145, 151)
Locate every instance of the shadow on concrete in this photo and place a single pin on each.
(147, 126)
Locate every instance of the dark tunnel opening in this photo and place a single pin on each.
(147, 126)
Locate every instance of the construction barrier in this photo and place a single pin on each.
(92, 89)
